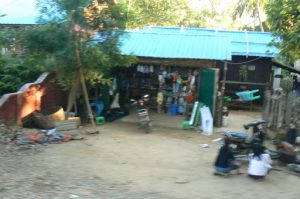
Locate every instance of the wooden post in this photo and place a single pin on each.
(220, 99)
(223, 91)
(84, 89)
(86, 97)
(72, 96)
(289, 106)
(296, 118)
(224, 79)
(218, 122)
(266, 106)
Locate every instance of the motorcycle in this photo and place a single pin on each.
(143, 113)
(242, 143)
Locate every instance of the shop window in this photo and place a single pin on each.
(251, 67)
(243, 73)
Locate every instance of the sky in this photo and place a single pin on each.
(25, 12)
(18, 11)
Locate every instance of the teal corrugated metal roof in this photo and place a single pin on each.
(246, 43)
(254, 49)
(161, 45)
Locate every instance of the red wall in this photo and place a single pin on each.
(42, 94)
(9, 110)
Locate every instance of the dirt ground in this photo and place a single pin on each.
(124, 162)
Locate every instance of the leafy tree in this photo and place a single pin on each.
(162, 13)
(255, 8)
(284, 18)
(7, 38)
(61, 34)
(15, 68)
(218, 15)
(63, 43)
(188, 13)
(15, 72)
(286, 82)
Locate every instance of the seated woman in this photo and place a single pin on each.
(286, 151)
(259, 162)
(225, 161)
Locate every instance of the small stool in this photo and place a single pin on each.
(186, 125)
(100, 120)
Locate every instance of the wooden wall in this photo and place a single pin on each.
(178, 62)
(257, 79)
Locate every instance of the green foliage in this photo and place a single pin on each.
(253, 8)
(218, 15)
(188, 13)
(287, 81)
(63, 42)
(256, 28)
(7, 38)
(162, 13)
(16, 71)
(248, 7)
(284, 18)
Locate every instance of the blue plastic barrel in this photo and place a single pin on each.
(173, 109)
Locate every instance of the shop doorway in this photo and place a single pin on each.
(208, 87)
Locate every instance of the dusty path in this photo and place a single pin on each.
(123, 162)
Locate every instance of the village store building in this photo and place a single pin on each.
(172, 64)
(250, 66)
(187, 64)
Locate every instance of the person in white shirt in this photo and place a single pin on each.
(259, 162)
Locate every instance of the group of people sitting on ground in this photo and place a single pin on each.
(259, 161)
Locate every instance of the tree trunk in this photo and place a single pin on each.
(259, 17)
(84, 89)
(129, 5)
(86, 97)
(72, 96)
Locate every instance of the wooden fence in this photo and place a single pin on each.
(281, 109)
